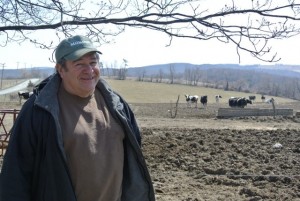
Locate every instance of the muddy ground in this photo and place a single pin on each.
(197, 156)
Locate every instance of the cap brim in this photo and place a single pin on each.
(79, 53)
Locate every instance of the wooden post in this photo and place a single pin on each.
(273, 104)
(176, 108)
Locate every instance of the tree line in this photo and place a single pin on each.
(248, 81)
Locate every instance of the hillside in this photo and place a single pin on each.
(272, 80)
(284, 70)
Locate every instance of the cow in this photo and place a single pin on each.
(203, 100)
(269, 101)
(252, 98)
(24, 95)
(263, 98)
(191, 100)
(218, 98)
(239, 102)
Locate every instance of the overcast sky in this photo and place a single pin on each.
(142, 47)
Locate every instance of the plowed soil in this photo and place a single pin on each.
(197, 156)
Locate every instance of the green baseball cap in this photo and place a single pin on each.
(74, 47)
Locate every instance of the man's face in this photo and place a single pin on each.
(80, 77)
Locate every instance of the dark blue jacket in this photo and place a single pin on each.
(34, 166)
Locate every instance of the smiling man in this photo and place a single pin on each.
(75, 139)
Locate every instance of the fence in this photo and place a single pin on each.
(7, 119)
(242, 112)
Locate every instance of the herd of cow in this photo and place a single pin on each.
(240, 102)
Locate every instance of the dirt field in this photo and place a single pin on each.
(197, 156)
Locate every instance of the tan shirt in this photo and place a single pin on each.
(93, 141)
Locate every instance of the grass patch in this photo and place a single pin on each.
(147, 92)
(6, 83)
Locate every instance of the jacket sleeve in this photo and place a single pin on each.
(17, 168)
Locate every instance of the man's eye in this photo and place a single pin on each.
(79, 65)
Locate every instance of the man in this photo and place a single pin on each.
(75, 139)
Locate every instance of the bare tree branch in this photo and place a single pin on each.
(249, 25)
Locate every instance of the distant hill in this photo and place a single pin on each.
(282, 70)
(28, 72)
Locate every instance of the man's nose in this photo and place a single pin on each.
(89, 67)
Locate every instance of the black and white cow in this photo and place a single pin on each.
(252, 98)
(218, 98)
(203, 100)
(191, 100)
(239, 102)
(24, 95)
(270, 100)
(263, 98)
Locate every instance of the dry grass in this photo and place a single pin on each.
(10, 82)
(13, 97)
(146, 92)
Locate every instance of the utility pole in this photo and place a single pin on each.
(3, 64)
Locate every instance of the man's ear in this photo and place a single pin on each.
(59, 69)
